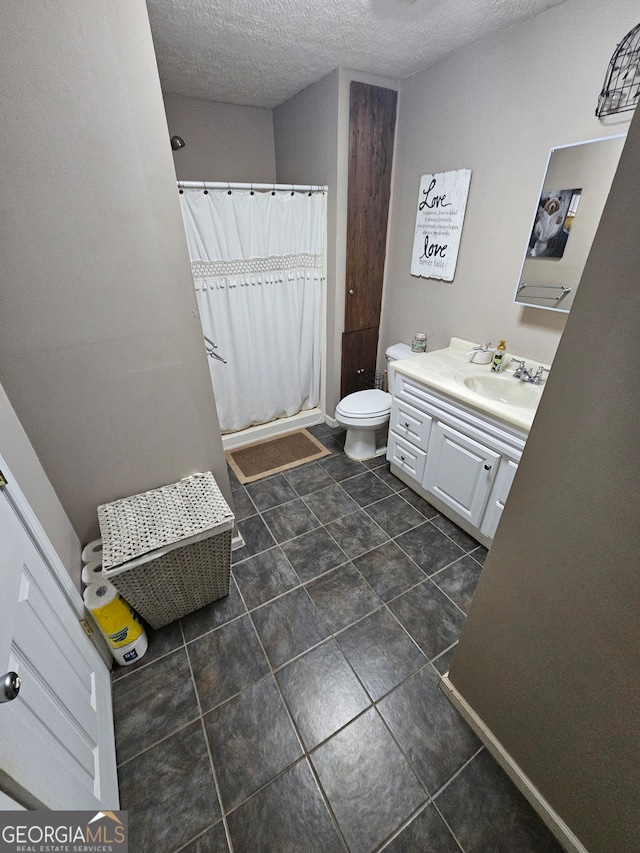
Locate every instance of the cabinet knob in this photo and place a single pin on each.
(406, 424)
(360, 371)
(487, 467)
(403, 458)
(351, 292)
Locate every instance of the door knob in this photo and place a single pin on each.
(9, 686)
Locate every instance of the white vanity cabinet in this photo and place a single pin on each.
(460, 459)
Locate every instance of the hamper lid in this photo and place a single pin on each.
(162, 518)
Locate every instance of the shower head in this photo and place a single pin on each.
(177, 142)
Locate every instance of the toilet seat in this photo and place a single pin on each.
(365, 404)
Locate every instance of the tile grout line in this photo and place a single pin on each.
(208, 747)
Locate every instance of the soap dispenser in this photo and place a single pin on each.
(498, 357)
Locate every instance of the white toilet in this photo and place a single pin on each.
(366, 413)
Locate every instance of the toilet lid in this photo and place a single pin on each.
(366, 404)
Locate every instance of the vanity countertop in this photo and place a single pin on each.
(499, 394)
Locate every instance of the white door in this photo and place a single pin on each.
(56, 736)
(460, 471)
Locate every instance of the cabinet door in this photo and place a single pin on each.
(498, 497)
(460, 471)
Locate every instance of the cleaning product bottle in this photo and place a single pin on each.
(498, 356)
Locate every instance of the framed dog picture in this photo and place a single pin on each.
(552, 224)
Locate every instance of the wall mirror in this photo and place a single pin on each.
(566, 216)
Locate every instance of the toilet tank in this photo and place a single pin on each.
(394, 353)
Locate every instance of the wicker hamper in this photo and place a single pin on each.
(168, 551)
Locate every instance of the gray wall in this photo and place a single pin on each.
(496, 108)
(224, 142)
(549, 654)
(101, 353)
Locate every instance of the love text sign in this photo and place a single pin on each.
(441, 206)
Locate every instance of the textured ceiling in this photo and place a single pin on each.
(261, 52)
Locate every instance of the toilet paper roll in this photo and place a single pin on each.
(92, 572)
(126, 655)
(119, 624)
(92, 551)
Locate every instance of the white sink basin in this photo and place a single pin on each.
(504, 389)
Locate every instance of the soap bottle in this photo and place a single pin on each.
(498, 356)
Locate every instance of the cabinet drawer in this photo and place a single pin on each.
(410, 423)
(406, 456)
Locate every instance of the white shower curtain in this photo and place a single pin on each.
(257, 260)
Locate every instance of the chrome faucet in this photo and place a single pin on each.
(523, 373)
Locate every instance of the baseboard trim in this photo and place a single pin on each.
(513, 770)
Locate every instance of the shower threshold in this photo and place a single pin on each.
(231, 440)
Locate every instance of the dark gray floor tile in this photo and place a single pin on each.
(256, 538)
(313, 553)
(243, 506)
(322, 692)
(377, 462)
(429, 547)
(340, 467)
(459, 536)
(459, 581)
(388, 570)
(380, 652)
(271, 492)
(366, 488)
(334, 445)
(428, 615)
(342, 596)
(288, 816)
(214, 615)
(356, 533)
(480, 554)
(161, 642)
(487, 813)
(330, 503)
(289, 520)
(428, 728)
(147, 707)
(214, 840)
(395, 515)
(419, 503)
(169, 792)
(390, 479)
(252, 740)
(369, 785)
(427, 833)
(308, 478)
(265, 576)
(289, 626)
(233, 480)
(443, 662)
(226, 661)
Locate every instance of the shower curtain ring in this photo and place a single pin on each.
(292, 193)
(229, 190)
(204, 187)
(251, 185)
(273, 191)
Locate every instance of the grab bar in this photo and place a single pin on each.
(211, 350)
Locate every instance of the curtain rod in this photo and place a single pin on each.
(231, 185)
